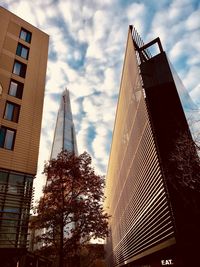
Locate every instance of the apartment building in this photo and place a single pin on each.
(23, 62)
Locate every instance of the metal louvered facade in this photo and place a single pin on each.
(141, 219)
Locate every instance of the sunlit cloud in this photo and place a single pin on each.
(193, 21)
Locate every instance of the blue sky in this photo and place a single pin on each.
(86, 51)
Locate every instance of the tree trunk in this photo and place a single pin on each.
(61, 237)
(61, 256)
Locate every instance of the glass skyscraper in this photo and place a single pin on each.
(64, 136)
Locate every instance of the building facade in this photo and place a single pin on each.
(152, 220)
(64, 135)
(23, 61)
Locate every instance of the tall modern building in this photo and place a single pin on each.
(64, 135)
(23, 61)
(152, 195)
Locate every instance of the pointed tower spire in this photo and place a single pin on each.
(64, 135)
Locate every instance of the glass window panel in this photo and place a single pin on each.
(6, 137)
(19, 91)
(16, 179)
(8, 143)
(16, 89)
(28, 37)
(13, 190)
(16, 113)
(2, 136)
(3, 177)
(3, 182)
(16, 184)
(11, 209)
(23, 71)
(17, 68)
(3, 189)
(19, 49)
(11, 212)
(24, 52)
(12, 112)
(9, 111)
(9, 224)
(23, 35)
(13, 88)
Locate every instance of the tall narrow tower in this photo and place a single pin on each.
(64, 136)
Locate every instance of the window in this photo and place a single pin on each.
(7, 137)
(11, 112)
(3, 177)
(3, 183)
(22, 51)
(25, 35)
(15, 184)
(11, 212)
(19, 69)
(16, 89)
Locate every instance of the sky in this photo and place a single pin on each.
(86, 52)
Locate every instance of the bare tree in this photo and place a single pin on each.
(186, 161)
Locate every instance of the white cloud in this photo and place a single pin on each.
(23, 9)
(136, 13)
(92, 110)
(178, 49)
(56, 40)
(99, 144)
(71, 13)
(94, 50)
(82, 136)
(181, 3)
(193, 21)
(109, 86)
(191, 78)
(195, 94)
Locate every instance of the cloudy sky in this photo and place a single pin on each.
(86, 51)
